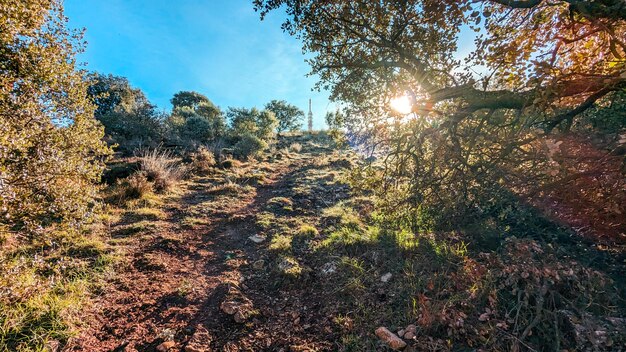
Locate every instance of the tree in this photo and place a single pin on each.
(196, 118)
(478, 123)
(335, 120)
(51, 148)
(252, 122)
(557, 57)
(126, 113)
(289, 116)
(188, 99)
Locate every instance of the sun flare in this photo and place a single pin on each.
(402, 105)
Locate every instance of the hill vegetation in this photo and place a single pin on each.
(444, 209)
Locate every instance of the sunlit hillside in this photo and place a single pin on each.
(298, 175)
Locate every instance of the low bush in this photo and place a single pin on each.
(230, 164)
(295, 147)
(203, 160)
(161, 169)
(136, 185)
(249, 146)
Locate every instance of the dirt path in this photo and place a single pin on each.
(176, 278)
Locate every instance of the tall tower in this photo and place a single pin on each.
(310, 117)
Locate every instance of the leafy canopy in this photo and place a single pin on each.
(479, 125)
(125, 112)
(289, 116)
(196, 118)
(254, 122)
(51, 148)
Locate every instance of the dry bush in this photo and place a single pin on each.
(137, 185)
(523, 297)
(203, 160)
(231, 164)
(295, 147)
(249, 146)
(161, 169)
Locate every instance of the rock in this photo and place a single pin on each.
(240, 317)
(412, 328)
(386, 277)
(166, 346)
(259, 264)
(409, 335)
(391, 339)
(257, 239)
(401, 332)
(229, 307)
(329, 268)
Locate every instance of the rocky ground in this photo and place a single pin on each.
(198, 274)
(279, 255)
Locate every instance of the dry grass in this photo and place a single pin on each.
(161, 169)
(136, 186)
(295, 147)
(203, 160)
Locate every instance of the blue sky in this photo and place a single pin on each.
(219, 48)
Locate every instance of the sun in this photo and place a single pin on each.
(402, 105)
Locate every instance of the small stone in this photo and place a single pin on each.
(229, 307)
(329, 268)
(401, 332)
(412, 328)
(409, 335)
(257, 239)
(386, 277)
(391, 339)
(165, 346)
(259, 264)
(240, 317)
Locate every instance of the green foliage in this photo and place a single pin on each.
(130, 120)
(253, 122)
(192, 100)
(51, 148)
(196, 119)
(289, 116)
(335, 120)
(161, 169)
(249, 146)
(469, 138)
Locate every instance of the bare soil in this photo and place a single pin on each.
(174, 280)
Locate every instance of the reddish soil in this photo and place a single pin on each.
(143, 305)
(592, 201)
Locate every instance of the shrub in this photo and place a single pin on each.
(295, 147)
(196, 128)
(137, 185)
(202, 160)
(249, 146)
(252, 122)
(161, 169)
(51, 148)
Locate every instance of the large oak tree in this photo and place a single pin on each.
(559, 56)
(482, 118)
(51, 148)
